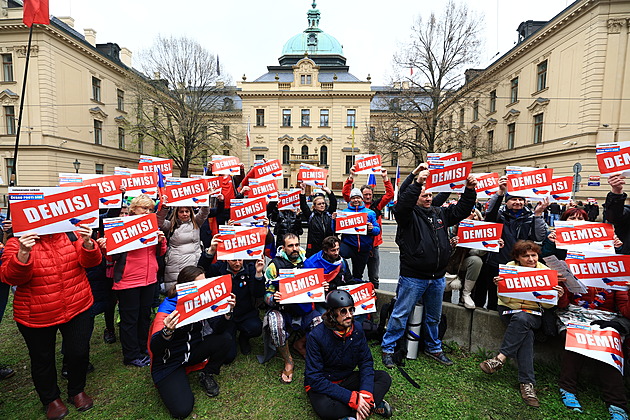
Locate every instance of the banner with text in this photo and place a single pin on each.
(225, 165)
(479, 235)
(110, 196)
(312, 175)
(363, 297)
(241, 243)
(248, 210)
(351, 223)
(186, 192)
(203, 299)
(561, 189)
(447, 176)
(138, 182)
(46, 210)
(613, 158)
(529, 182)
(267, 189)
(265, 170)
(599, 344)
(487, 184)
(444, 156)
(152, 164)
(367, 164)
(289, 200)
(601, 271)
(214, 184)
(532, 284)
(123, 234)
(301, 285)
(579, 235)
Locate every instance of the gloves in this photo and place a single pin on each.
(354, 401)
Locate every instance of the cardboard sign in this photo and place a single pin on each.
(367, 164)
(444, 156)
(479, 235)
(225, 165)
(447, 176)
(561, 189)
(532, 284)
(110, 195)
(138, 182)
(301, 285)
(599, 344)
(214, 184)
(267, 170)
(289, 200)
(613, 158)
(186, 192)
(579, 235)
(267, 189)
(312, 175)
(152, 164)
(592, 200)
(248, 210)
(124, 234)
(529, 182)
(203, 299)
(601, 271)
(241, 243)
(487, 184)
(46, 210)
(363, 297)
(351, 223)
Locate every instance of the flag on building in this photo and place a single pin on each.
(36, 11)
(395, 199)
(247, 135)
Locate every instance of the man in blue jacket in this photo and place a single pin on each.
(333, 350)
(357, 247)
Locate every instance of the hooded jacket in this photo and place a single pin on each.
(337, 273)
(422, 234)
(363, 243)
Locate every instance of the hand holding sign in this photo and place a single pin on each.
(27, 242)
(616, 183)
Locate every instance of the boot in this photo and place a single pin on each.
(469, 303)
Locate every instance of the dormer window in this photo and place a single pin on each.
(306, 79)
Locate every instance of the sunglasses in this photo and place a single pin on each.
(344, 311)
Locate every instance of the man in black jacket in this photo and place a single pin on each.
(617, 212)
(422, 237)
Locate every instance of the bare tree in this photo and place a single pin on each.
(182, 106)
(430, 68)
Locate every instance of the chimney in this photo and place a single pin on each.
(67, 20)
(125, 56)
(405, 84)
(396, 85)
(90, 36)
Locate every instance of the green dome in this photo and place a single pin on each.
(315, 43)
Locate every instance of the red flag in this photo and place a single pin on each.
(247, 135)
(36, 11)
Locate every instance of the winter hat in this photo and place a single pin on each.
(356, 192)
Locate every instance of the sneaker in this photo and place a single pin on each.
(388, 361)
(139, 362)
(109, 336)
(617, 413)
(209, 384)
(6, 372)
(528, 393)
(383, 409)
(570, 400)
(491, 366)
(440, 357)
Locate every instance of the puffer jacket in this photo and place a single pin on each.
(52, 287)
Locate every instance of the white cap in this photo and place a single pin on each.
(356, 192)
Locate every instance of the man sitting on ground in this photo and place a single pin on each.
(335, 268)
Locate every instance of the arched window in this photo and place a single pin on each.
(305, 152)
(285, 154)
(323, 156)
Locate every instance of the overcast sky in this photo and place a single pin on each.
(248, 35)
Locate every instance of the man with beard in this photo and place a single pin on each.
(333, 350)
(335, 268)
(280, 319)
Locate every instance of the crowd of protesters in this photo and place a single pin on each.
(62, 281)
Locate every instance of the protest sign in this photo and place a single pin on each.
(241, 243)
(203, 299)
(110, 195)
(561, 189)
(265, 170)
(529, 182)
(599, 270)
(532, 284)
(351, 223)
(367, 164)
(267, 189)
(312, 175)
(613, 158)
(289, 200)
(214, 183)
(363, 297)
(599, 344)
(189, 192)
(225, 165)
(152, 164)
(124, 234)
(138, 182)
(447, 176)
(47, 210)
(579, 235)
(301, 285)
(475, 234)
(487, 184)
(248, 210)
(444, 156)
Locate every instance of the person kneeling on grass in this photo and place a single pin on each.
(522, 317)
(333, 349)
(177, 351)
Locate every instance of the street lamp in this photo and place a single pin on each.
(76, 165)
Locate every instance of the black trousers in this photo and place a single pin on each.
(175, 389)
(41, 349)
(330, 408)
(248, 327)
(359, 259)
(484, 286)
(134, 306)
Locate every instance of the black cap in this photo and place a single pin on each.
(339, 299)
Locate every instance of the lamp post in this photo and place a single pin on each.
(76, 165)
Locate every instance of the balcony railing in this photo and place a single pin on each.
(313, 159)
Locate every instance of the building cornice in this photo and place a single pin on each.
(326, 94)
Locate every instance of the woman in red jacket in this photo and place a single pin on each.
(53, 294)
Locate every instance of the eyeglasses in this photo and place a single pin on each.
(344, 311)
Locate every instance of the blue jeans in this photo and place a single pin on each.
(553, 218)
(411, 290)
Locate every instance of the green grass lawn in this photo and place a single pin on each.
(253, 391)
